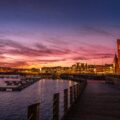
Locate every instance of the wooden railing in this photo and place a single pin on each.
(75, 92)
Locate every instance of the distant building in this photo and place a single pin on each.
(118, 49)
(55, 70)
(116, 62)
(79, 68)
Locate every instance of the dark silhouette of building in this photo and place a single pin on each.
(116, 62)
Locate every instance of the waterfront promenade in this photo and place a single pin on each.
(99, 101)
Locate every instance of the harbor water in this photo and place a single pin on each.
(13, 105)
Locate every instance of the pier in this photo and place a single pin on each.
(99, 101)
(91, 100)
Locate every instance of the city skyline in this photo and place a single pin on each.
(58, 32)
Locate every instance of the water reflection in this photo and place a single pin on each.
(13, 105)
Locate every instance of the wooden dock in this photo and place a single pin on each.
(99, 101)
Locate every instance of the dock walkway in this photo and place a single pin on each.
(99, 101)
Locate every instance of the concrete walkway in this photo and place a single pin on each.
(99, 101)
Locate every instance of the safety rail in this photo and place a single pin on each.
(70, 97)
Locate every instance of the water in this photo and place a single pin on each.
(13, 105)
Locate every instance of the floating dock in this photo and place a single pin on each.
(12, 85)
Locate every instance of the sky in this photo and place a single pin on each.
(39, 33)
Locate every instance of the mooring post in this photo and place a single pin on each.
(56, 106)
(65, 101)
(33, 112)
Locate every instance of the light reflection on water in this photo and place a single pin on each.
(13, 105)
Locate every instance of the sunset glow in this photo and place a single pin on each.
(53, 33)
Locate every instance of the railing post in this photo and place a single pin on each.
(78, 90)
(75, 96)
(71, 95)
(33, 112)
(56, 106)
(65, 101)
